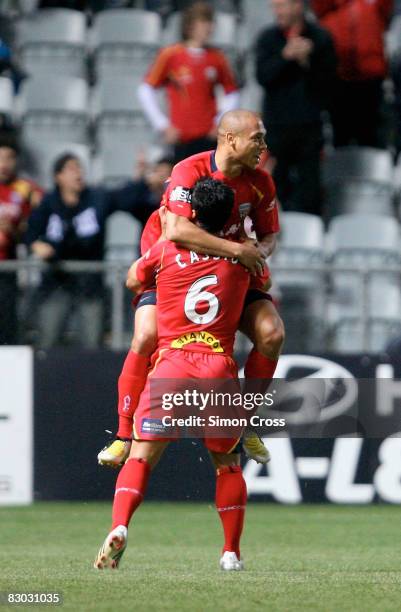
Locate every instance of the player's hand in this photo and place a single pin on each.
(251, 257)
(171, 135)
(43, 250)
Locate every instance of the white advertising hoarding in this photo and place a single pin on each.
(16, 425)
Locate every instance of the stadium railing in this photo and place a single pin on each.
(28, 273)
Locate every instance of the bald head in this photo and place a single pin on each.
(240, 141)
(236, 121)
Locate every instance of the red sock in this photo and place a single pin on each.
(130, 489)
(259, 366)
(130, 386)
(230, 503)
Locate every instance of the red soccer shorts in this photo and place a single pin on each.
(179, 364)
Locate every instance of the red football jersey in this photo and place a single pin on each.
(190, 77)
(16, 201)
(195, 305)
(255, 197)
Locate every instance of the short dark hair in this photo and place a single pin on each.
(9, 142)
(62, 160)
(198, 11)
(213, 202)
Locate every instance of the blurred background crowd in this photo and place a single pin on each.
(98, 100)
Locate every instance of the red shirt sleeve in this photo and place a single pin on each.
(225, 74)
(178, 194)
(157, 75)
(264, 214)
(149, 265)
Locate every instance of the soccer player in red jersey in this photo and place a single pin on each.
(197, 320)
(190, 72)
(235, 162)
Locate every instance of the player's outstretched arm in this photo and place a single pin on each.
(182, 230)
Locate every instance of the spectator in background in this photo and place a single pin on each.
(69, 224)
(17, 198)
(295, 64)
(190, 72)
(9, 67)
(358, 28)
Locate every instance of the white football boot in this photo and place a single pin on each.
(230, 562)
(110, 554)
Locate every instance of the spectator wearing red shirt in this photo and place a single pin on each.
(17, 198)
(357, 28)
(189, 71)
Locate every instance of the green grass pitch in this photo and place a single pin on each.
(299, 558)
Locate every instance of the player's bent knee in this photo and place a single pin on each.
(147, 450)
(225, 459)
(271, 336)
(144, 341)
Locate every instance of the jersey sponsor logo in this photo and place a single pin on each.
(244, 209)
(153, 426)
(180, 194)
(204, 337)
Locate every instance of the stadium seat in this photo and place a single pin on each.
(123, 234)
(116, 163)
(364, 241)
(118, 117)
(125, 41)
(224, 33)
(350, 201)
(359, 171)
(393, 39)
(54, 109)
(251, 96)
(42, 155)
(258, 15)
(6, 96)
(52, 41)
(302, 290)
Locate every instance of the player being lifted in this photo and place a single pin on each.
(241, 142)
(184, 279)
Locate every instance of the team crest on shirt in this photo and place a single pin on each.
(180, 194)
(211, 73)
(244, 209)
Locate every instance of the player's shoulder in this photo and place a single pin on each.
(198, 164)
(171, 50)
(261, 177)
(215, 52)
